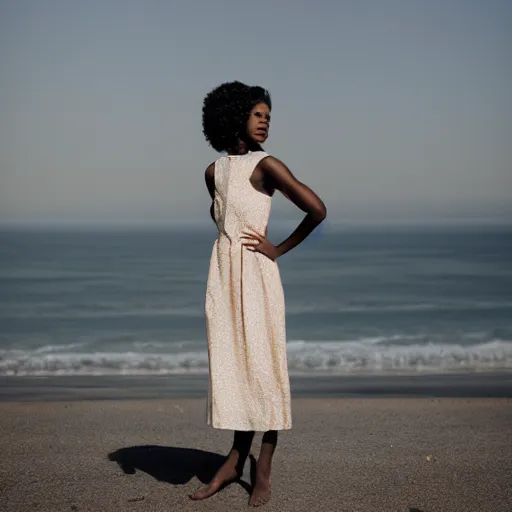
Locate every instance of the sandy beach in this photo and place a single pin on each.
(343, 454)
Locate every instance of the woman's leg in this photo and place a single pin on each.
(232, 468)
(261, 492)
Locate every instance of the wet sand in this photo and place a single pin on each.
(343, 455)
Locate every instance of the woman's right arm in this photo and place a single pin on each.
(299, 194)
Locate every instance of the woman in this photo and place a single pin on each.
(249, 386)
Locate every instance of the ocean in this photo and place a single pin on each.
(359, 301)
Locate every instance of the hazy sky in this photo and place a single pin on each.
(387, 108)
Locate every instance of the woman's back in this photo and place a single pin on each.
(238, 206)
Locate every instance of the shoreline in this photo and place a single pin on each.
(77, 388)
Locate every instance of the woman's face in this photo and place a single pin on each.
(259, 123)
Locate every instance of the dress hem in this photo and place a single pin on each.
(249, 429)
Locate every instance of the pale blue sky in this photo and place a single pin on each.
(389, 109)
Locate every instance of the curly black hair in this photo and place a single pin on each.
(226, 110)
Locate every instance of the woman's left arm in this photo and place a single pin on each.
(209, 178)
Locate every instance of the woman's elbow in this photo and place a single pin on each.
(319, 212)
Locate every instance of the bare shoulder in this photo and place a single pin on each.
(210, 171)
(272, 164)
(276, 170)
(209, 177)
(300, 194)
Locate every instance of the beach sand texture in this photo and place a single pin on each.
(343, 455)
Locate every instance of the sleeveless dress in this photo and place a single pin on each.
(249, 386)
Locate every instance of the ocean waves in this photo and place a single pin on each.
(364, 356)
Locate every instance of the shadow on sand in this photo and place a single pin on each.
(176, 466)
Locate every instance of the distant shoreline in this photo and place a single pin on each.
(463, 223)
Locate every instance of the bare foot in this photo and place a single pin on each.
(226, 474)
(261, 492)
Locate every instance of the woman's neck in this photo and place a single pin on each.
(243, 148)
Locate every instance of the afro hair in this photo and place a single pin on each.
(226, 110)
